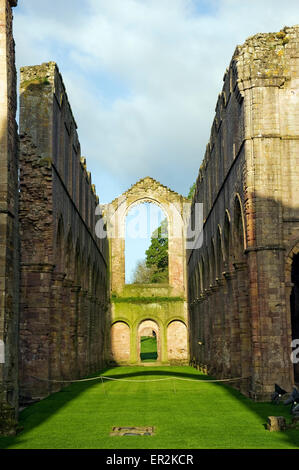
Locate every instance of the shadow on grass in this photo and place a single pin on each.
(265, 409)
(149, 356)
(40, 412)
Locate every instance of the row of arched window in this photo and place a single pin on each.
(69, 164)
(218, 254)
(79, 268)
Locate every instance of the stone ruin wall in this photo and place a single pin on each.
(9, 252)
(64, 273)
(163, 305)
(239, 281)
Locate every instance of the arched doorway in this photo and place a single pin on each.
(295, 306)
(120, 342)
(177, 341)
(148, 341)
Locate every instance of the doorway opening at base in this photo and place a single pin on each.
(148, 334)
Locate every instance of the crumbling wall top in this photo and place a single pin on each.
(150, 185)
(263, 60)
(266, 55)
(46, 74)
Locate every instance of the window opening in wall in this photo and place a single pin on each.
(146, 245)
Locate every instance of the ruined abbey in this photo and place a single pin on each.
(231, 306)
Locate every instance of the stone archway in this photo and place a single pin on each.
(177, 342)
(294, 305)
(173, 205)
(148, 328)
(120, 342)
(136, 303)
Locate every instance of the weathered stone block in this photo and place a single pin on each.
(276, 423)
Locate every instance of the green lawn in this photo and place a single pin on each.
(148, 349)
(186, 415)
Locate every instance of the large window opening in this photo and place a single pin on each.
(146, 245)
(295, 307)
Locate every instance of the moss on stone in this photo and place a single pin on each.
(37, 82)
(145, 300)
(281, 35)
(45, 161)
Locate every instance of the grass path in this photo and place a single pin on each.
(185, 415)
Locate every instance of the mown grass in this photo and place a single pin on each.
(186, 415)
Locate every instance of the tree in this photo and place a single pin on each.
(154, 269)
(143, 274)
(157, 254)
(191, 191)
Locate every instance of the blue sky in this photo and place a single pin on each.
(143, 76)
(141, 222)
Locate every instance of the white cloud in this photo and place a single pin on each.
(143, 76)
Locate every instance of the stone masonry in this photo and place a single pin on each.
(231, 305)
(241, 279)
(64, 278)
(9, 248)
(134, 305)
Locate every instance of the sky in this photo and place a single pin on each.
(142, 220)
(143, 76)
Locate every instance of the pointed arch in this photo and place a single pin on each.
(60, 252)
(199, 277)
(70, 256)
(213, 267)
(227, 238)
(204, 273)
(239, 238)
(78, 265)
(292, 298)
(219, 253)
(208, 270)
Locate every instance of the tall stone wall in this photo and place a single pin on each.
(9, 247)
(64, 269)
(239, 282)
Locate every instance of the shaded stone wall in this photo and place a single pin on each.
(64, 275)
(239, 282)
(9, 243)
